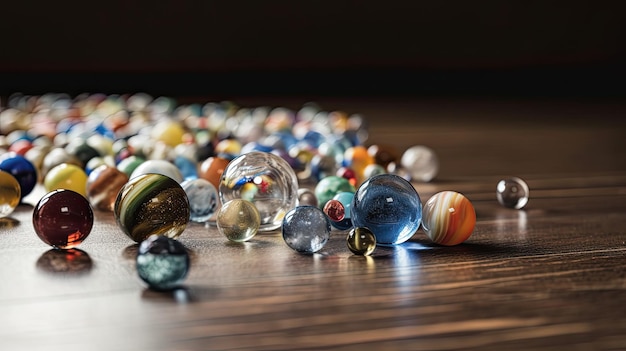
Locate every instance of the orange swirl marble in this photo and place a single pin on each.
(448, 218)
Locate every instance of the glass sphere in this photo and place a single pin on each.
(162, 262)
(238, 220)
(421, 162)
(330, 186)
(202, 199)
(306, 229)
(512, 193)
(389, 206)
(10, 194)
(103, 185)
(345, 198)
(306, 197)
(264, 179)
(361, 241)
(449, 218)
(66, 176)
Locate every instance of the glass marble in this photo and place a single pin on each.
(334, 210)
(421, 162)
(306, 229)
(345, 198)
(361, 241)
(163, 167)
(449, 218)
(103, 185)
(63, 219)
(151, 204)
(306, 197)
(10, 194)
(66, 176)
(358, 158)
(212, 169)
(202, 199)
(20, 168)
(512, 193)
(81, 150)
(129, 164)
(162, 263)
(264, 179)
(389, 206)
(330, 186)
(168, 131)
(238, 220)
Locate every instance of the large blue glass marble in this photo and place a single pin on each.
(20, 168)
(346, 200)
(389, 206)
(306, 229)
(162, 262)
(202, 199)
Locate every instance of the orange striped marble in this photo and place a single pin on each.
(448, 218)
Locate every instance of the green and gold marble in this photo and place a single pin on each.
(152, 204)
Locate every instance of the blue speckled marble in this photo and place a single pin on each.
(162, 262)
(306, 229)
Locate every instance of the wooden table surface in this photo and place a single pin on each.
(549, 277)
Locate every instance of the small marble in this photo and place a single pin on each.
(20, 168)
(361, 241)
(389, 206)
(10, 194)
(334, 210)
(163, 167)
(449, 218)
(66, 176)
(512, 193)
(103, 185)
(330, 186)
(306, 229)
(203, 199)
(212, 168)
(129, 164)
(62, 219)
(306, 197)
(151, 204)
(421, 162)
(162, 263)
(345, 198)
(238, 220)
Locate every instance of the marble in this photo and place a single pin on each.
(264, 179)
(357, 158)
(10, 194)
(421, 162)
(103, 185)
(345, 199)
(129, 164)
(66, 176)
(449, 218)
(306, 197)
(162, 263)
(168, 131)
(389, 206)
(361, 241)
(330, 186)
(20, 168)
(203, 199)
(163, 167)
(238, 220)
(151, 204)
(334, 210)
(512, 193)
(62, 219)
(306, 229)
(212, 168)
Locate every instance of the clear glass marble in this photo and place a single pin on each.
(306, 229)
(264, 179)
(238, 220)
(202, 199)
(512, 193)
(389, 206)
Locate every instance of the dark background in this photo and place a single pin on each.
(343, 48)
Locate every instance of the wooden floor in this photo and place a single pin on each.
(549, 277)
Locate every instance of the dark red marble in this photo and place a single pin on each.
(335, 210)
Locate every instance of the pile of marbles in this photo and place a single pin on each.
(158, 166)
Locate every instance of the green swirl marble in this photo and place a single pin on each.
(152, 204)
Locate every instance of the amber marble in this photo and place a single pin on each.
(448, 218)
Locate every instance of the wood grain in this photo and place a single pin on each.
(551, 276)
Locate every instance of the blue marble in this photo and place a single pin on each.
(162, 263)
(20, 168)
(306, 229)
(345, 198)
(389, 206)
(202, 199)
(187, 167)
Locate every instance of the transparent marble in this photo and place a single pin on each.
(449, 218)
(264, 179)
(421, 162)
(389, 206)
(10, 194)
(238, 220)
(162, 263)
(512, 193)
(361, 241)
(202, 199)
(306, 229)
(151, 204)
(62, 219)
